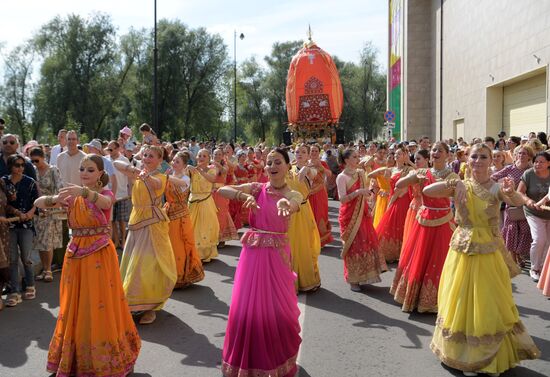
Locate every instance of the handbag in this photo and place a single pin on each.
(516, 213)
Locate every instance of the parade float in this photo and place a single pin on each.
(314, 97)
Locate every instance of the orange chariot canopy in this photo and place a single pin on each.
(314, 95)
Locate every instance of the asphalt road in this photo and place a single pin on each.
(345, 334)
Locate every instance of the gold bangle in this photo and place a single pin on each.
(49, 201)
(451, 183)
(95, 197)
(84, 191)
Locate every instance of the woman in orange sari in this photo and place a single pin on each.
(188, 264)
(318, 196)
(95, 334)
(228, 231)
(363, 264)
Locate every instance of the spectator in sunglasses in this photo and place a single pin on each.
(10, 144)
(22, 191)
(49, 229)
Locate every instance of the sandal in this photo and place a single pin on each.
(30, 293)
(40, 276)
(13, 300)
(148, 318)
(48, 276)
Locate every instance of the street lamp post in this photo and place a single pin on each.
(155, 65)
(241, 36)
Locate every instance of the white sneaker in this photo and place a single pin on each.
(534, 275)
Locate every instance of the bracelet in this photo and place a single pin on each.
(49, 201)
(84, 191)
(95, 197)
(451, 183)
(236, 195)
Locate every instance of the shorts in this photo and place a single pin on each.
(122, 209)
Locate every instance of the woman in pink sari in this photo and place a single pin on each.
(263, 333)
(363, 264)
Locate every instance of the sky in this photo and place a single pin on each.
(339, 27)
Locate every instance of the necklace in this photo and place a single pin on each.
(441, 174)
(351, 174)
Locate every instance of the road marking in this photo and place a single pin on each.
(302, 297)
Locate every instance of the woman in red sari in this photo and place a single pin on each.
(416, 281)
(241, 177)
(392, 224)
(318, 196)
(363, 264)
(421, 159)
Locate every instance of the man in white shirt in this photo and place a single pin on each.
(95, 147)
(59, 148)
(68, 162)
(123, 204)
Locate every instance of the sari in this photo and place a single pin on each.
(95, 334)
(204, 216)
(478, 328)
(305, 243)
(262, 338)
(148, 267)
(188, 264)
(228, 231)
(363, 264)
(318, 199)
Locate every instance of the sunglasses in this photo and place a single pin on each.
(35, 161)
(12, 142)
(18, 165)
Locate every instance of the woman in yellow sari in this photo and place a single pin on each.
(95, 334)
(383, 180)
(148, 267)
(478, 327)
(303, 234)
(188, 263)
(204, 214)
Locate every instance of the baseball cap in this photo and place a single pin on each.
(129, 146)
(94, 144)
(523, 137)
(126, 131)
(412, 144)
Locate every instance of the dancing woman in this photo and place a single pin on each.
(95, 334)
(318, 197)
(203, 208)
(363, 264)
(228, 231)
(381, 181)
(305, 243)
(416, 279)
(421, 159)
(148, 267)
(478, 327)
(391, 226)
(241, 177)
(263, 332)
(188, 264)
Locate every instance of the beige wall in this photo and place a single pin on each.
(486, 43)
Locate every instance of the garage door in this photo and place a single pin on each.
(524, 106)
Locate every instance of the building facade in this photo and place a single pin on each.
(468, 68)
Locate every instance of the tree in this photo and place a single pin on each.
(278, 63)
(78, 75)
(191, 66)
(18, 90)
(255, 109)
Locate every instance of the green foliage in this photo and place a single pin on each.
(94, 81)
